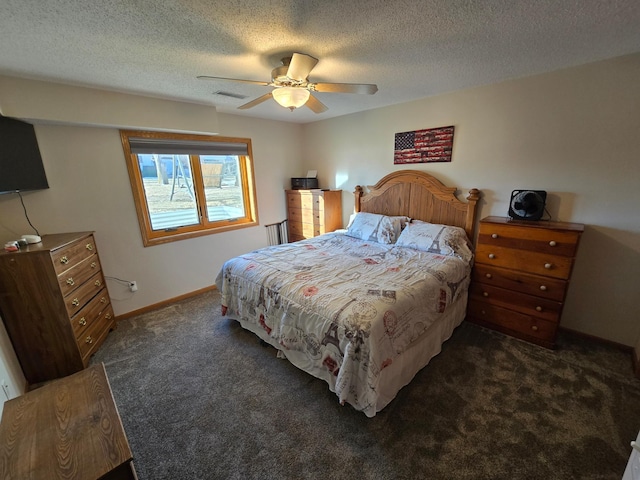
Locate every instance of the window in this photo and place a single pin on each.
(189, 185)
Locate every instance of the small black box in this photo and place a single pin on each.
(304, 183)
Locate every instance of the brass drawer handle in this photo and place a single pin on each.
(103, 300)
(488, 275)
(552, 243)
(64, 260)
(548, 266)
(89, 246)
(534, 328)
(94, 264)
(82, 321)
(485, 294)
(538, 308)
(492, 256)
(88, 340)
(543, 288)
(494, 235)
(98, 283)
(108, 316)
(70, 281)
(75, 302)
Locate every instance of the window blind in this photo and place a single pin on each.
(186, 147)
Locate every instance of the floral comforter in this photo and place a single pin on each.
(341, 308)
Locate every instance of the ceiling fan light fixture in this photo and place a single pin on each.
(292, 88)
(291, 97)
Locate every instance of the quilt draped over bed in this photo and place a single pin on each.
(344, 309)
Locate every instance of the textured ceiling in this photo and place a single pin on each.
(410, 49)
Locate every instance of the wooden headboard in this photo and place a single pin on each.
(420, 196)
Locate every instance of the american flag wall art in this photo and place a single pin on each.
(424, 146)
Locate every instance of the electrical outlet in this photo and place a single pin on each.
(133, 286)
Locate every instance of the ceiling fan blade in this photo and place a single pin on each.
(255, 102)
(369, 89)
(316, 105)
(254, 82)
(300, 66)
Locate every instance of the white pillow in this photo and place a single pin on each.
(364, 226)
(436, 238)
(352, 217)
(373, 227)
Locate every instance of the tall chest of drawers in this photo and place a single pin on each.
(55, 304)
(313, 212)
(520, 277)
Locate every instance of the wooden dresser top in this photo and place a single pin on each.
(69, 428)
(50, 242)
(576, 227)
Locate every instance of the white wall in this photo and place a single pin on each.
(13, 381)
(574, 133)
(90, 191)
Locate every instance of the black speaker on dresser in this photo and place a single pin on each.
(305, 183)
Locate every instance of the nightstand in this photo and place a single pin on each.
(69, 428)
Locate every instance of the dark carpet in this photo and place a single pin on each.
(201, 398)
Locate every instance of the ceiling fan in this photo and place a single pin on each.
(292, 88)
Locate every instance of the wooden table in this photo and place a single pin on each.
(67, 429)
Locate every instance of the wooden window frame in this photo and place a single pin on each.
(152, 237)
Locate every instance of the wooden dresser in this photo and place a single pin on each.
(313, 212)
(520, 277)
(55, 304)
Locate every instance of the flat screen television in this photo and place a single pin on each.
(21, 165)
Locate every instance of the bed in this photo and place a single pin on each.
(366, 308)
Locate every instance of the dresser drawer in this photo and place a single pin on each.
(67, 257)
(519, 302)
(508, 321)
(93, 337)
(305, 201)
(545, 287)
(531, 262)
(305, 216)
(305, 230)
(554, 242)
(79, 298)
(78, 274)
(296, 238)
(89, 314)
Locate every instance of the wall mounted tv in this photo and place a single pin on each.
(21, 165)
